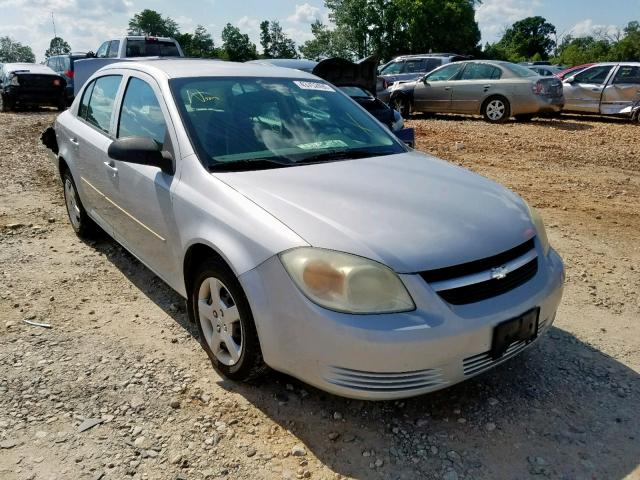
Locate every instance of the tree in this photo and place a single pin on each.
(524, 40)
(57, 46)
(577, 51)
(326, 43)
(236, 45)
(628, 47)
(274, 42)
(150, 22)
(12, 51)
(199, 44)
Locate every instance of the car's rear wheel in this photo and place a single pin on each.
(223, 316)
(496, 109)
(5, 103)
(82, 224)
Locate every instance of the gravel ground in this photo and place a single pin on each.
(119, 388)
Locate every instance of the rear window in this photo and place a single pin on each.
(519, 70)
(151, 48)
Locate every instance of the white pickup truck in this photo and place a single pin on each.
(123, 49)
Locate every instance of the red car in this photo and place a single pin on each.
(572, 71)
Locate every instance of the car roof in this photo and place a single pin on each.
(299, 64)
(189, 67)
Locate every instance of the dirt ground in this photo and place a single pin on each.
(119, 388)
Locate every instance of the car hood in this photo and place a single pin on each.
(409, 211)
(343, 73)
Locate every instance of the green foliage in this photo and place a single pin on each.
(525, 39)
(150, 22)
(198, 44)
(12, 51)
(57, 46)
(274, 42)
(391, 27)
(628, 48)
(236, 45)
(326, 43)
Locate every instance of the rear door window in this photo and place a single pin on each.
(141, 115)
(392, 69)
(413, 66)
(100, 106)
(595, 75)
(627, 75)
(480, 71)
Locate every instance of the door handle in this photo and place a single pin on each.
(111, 167)
(487, 87)
(596, 89)
(74, 141)
(447, 88)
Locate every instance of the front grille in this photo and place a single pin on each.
(491, 288)
(473, 281)
(385, 382)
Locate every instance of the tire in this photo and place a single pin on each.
(81, 223)
(231, 343)
(62, 105)
(403, 105)
(5, 103)
(496, 109)
(524, 118)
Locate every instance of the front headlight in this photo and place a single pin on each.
(346, 283)
(541, 232)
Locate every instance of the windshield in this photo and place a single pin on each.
(252, 123)
(519, 70)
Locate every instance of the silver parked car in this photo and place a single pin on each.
(302, 233)
(603, 89)
(496, 90)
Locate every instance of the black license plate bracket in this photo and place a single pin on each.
(523, 328)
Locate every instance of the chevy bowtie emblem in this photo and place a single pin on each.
(499, 273)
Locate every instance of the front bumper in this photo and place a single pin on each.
(390, 356)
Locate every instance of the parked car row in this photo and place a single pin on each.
(500, 90)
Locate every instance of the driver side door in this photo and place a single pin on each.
(434, 92)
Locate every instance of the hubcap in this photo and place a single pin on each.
(495, 109)
(220, 321)
(72, 203)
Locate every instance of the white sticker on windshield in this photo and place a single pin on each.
(323, 87)
(323, 144)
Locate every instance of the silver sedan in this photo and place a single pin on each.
(302, 233)
(495, 90)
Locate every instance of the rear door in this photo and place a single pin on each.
(433, 93)
(143, 220)
(584, 94)
(91, 139)
(474, 84)
(622, 90)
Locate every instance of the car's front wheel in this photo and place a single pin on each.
(223, 316)
(82, 224)
(403, 105)
(496, 110)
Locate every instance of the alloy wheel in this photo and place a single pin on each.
(496, 110)
(71, 200)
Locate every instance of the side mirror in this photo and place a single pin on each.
(142, 151)
(571, 79)
(425, 81)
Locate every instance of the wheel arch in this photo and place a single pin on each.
(196, 252)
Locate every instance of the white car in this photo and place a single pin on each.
(302, 233)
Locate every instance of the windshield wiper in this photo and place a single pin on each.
(247, 165)
(335, 155)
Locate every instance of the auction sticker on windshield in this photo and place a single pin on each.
(313, 86)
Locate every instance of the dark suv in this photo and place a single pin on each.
(63, 65)
(411, 67)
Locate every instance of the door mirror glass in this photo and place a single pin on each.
(141, 151)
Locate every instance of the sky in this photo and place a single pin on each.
(85, 24)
